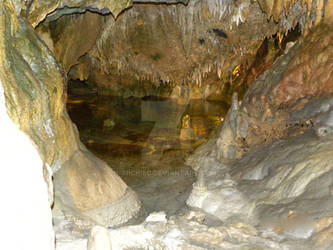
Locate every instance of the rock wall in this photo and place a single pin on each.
(270, 165)
(264, 115)
(78, 44)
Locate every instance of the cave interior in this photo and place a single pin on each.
(166, 124)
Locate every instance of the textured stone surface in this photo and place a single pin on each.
(310, 72)
(316, 9)
(297, 77)
(187, 231)
(38, 10)
(91, 23)
(35, 90)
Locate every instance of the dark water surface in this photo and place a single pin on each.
(146, 141)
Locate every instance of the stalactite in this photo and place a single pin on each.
(200, 184)
(219, 54)
(281, 9)
(219, 8)
(237, 18)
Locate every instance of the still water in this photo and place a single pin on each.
(146, 141)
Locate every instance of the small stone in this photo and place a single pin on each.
(156, 217)
(99, 239)
(109, 123)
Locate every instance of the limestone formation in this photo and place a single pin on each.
(233, 133)
(87, 184)
(264, 180)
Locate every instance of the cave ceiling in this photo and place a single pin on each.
(38, 10)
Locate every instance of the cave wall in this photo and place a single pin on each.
(34, 92)
(270, 165)
(272, 107)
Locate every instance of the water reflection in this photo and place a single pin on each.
(146, 141)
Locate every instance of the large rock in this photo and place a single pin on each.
(88, 185)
